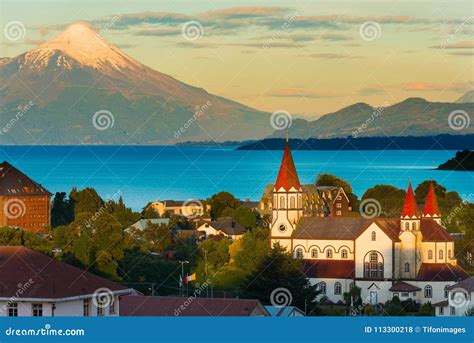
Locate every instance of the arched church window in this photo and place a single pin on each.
(428, 291)
(373, 266)
(374, 235)
(344, 253)
(413, 226)
(282, 202)
(407, 226)
(407, 267)
(322, 287)
(337, 288)
(441, 254)
(300, 200)
(329, 253)
(314, 253)
(299, 253)
(292, 202)
(430, 254)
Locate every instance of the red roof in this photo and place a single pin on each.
(331, 269)
(50, 278)
(440, 272)
(14, 183)
(431, 206)
(181, 306)
(410, 208)
(433, 232)
(401, 286)
(287, 176)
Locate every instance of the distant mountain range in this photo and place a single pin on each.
(79, 89)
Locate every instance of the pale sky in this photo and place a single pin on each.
(305, 57)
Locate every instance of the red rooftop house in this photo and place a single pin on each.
(24, 203)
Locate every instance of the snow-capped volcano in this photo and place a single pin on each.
(77, 73)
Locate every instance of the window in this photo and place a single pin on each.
(314, 253)
(428, 291)
(37, 310)
(407, 267)
(446, 291)
(407, 226)
(405, 294)
(112, 306)
(337, 288)
(430, 254)
(373, 236)
(450, 254)
(13, 310)
(452, 310)
(338, 213)
(329, 253)
(440, 254)
(322, 287)
(344, 253)
(441, 310)
(86, 308)
(373, 266)
(413, 226)
(395, 295)
(282, 202)
(338, 205)
(100, 310)
(292, 202)
(299, 253)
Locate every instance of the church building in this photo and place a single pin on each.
(411, 257)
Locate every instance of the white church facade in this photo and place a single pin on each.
(411, 257)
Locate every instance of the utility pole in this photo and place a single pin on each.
(182, 276)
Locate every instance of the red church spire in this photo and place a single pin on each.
(287, 176)
(410, 208)
(431, 205)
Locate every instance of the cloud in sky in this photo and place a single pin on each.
(331, 55)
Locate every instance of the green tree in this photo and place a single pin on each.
(391, 199)
(447, 201)
(245, 217)
(394, 307)
(62, 212)
(280, 273)
(249, 252)
(154, 238)
(85, 201)
(150, 213)
(221, 201)
(33, 241)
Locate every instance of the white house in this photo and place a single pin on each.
(459, 300)
(409, 257)
(33, 284)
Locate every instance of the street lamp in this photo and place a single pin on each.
(182, 275)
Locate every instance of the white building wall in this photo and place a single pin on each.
(323, 245)
(330, 283)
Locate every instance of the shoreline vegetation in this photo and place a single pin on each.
(462, 161)
(439, 142)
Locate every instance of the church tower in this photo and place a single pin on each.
(431, 209)
(410, 238)
(287, 201)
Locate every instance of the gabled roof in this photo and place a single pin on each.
(401, 286)
(51, 279)
(345, 228)
(467, 284)
(14, 183)
(440, 272)
(331, 269)
(431, 206)
(410, 208)
(142, 223)
(287, 176)
(175, 306)
(283, 311)
(228, 226)
(433, 232)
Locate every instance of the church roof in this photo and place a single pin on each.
(344, 228)
(410, 208)
(433, 232)
(14, 183)
(287, 176)
(440, 272)
(401, 286)
(467, 284)
(431, 206)
(332, 269)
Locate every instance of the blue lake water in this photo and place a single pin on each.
(144, 173)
